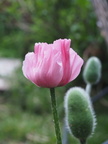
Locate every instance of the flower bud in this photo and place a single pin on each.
(80, 118)
(92, 71)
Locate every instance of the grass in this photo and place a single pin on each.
(23, 127)
(20, 126)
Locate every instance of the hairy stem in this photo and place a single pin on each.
(55, 116)
(83, 141)
(88, 88)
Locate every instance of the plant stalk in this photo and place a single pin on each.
(83, 141)
(88, 88)
(55, 116)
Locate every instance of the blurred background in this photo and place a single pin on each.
(25, 111)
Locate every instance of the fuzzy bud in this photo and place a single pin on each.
(92, 70)
(80, 118)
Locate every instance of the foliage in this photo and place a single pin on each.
(25, 22)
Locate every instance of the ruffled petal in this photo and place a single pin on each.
(76, 63)
(29, 65)
(49, 74)
(64, 46)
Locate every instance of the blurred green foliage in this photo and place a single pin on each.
(25, 111)
(24, 22)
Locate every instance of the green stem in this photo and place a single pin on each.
(88, 88)
(55, 116)
(82, 141)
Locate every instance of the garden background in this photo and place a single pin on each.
(25, 110)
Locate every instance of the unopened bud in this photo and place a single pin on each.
(80, 118)
(92, 70)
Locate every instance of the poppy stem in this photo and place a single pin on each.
(55, 116)
(82, 141)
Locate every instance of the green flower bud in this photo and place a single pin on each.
(92, 70)
(80, 118)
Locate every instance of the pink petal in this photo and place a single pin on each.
(29, 65)
(76, 63)
(64, 46)
(49, 74)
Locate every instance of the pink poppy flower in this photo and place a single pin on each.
(52, 65)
